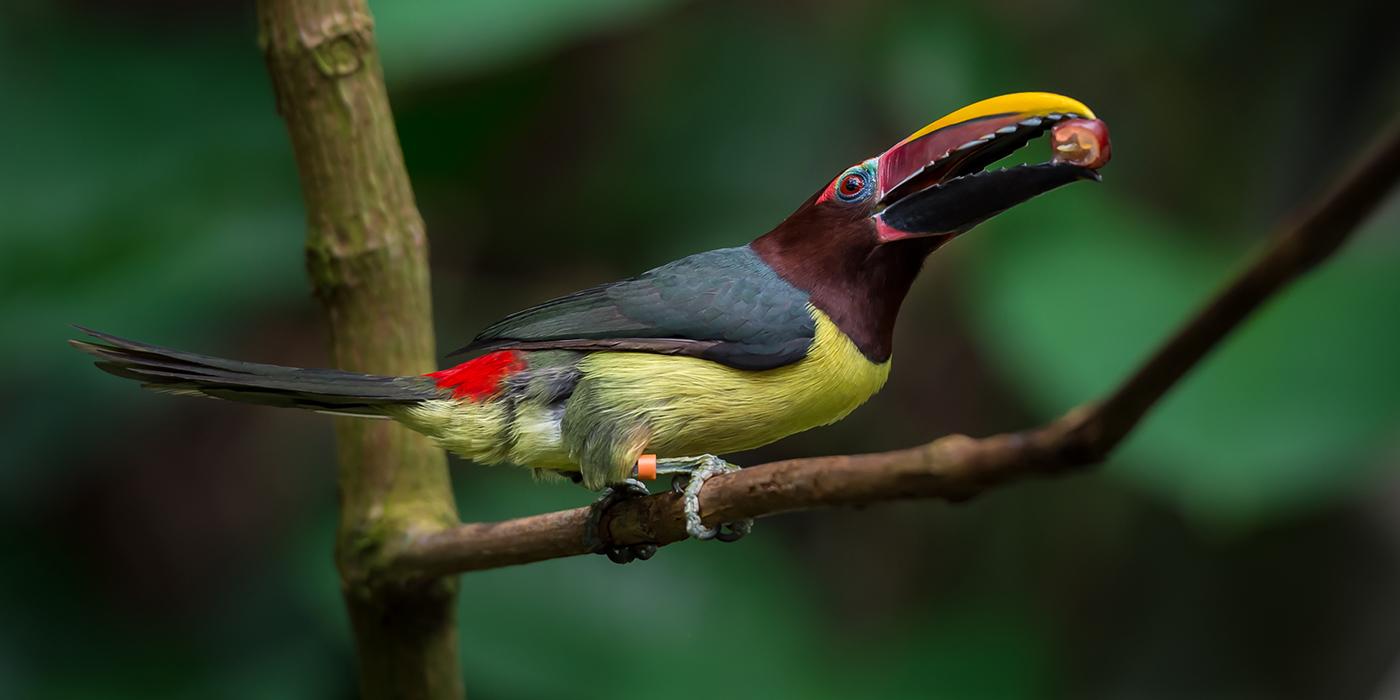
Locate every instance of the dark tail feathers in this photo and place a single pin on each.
(328, 390)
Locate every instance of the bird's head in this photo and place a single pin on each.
(867, 231)
(933, 184)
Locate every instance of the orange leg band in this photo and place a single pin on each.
(646, 467)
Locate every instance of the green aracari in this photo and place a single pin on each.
(721, 351)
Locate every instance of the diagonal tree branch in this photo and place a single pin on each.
(955, 467)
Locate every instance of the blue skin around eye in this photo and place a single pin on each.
(867, 179)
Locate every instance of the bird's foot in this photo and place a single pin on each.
(691, 473)
(611, 496)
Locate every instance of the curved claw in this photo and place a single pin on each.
(735, 532)
(629, 553)
(690, 487)
(620, 554)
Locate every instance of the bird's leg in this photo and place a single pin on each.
(690, 475)
(630, 488)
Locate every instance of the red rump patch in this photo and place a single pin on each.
(480, 377)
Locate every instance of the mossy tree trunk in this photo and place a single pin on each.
(367, 259)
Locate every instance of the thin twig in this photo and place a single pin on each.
(954, 467)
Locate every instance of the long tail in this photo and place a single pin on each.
(186, 373)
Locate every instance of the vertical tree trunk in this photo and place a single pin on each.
(367, 259)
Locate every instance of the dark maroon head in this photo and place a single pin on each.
(857, 244)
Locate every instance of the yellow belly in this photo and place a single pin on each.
(695, 406)
(669, 405)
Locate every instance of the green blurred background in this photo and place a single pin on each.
(1244, 544)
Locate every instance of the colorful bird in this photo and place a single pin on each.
(721, 351)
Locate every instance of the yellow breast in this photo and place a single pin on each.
(695, 406)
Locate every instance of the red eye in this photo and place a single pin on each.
(851, 185)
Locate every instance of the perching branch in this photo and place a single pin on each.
(955, 467)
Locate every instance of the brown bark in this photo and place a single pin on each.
(367, 260)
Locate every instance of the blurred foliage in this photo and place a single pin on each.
(171, 548)
(436, 39)
(1292, 411)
